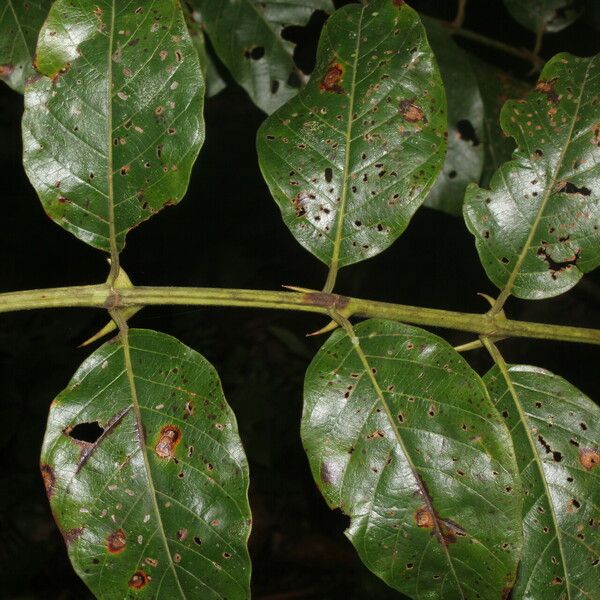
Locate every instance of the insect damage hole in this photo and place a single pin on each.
(466, 132)
(86, 432)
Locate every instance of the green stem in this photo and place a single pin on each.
(521, 53)
(102, 296)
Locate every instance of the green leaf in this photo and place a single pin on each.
(247, 37)
(544, 15)
(402, 436)
(112, 127)
(556, 432)
(537, 230)
(496, 87)
(146, 474)
(466, 137)
(352, 157)
(214, 81)
(20, 23)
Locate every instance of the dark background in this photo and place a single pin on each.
(228, 232)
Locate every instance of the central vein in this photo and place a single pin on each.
(335, 257)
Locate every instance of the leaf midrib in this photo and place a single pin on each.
(505, 371)
(506, 292)
(341, 213)
(140, 429)
(438, 533)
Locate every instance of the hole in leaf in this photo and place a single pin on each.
(87, 432)
(255, 53)
(466, 131)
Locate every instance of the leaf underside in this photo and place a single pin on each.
(114, 123)
(146, 475)
(466, 136)
(247, 35)
(544, 15)
(556, 435)
(213, 81)
(496, 87)
(537, 230)
(20, 22)
(402, 436)
(351, 158)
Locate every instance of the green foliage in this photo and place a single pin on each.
(247, 35)
(124, 89)
(466, 137)
(146, 474)
(555, 431)
(455, 487)
(536, 229)
(20, 23)
(544, 15)
(352, 157)
(402, 436)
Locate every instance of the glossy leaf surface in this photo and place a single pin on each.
(351, 158)
(146, 475)
(247, 35)
(496, 87)
(556, 435)
(402, 436)
(537, 230)
(466, 137)
(545, 15)
(20, 23)
(113, 125)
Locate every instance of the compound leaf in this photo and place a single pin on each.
(544, 15)
(114, 123)
(351, 158)
(146, 474)
(556, 435)
(247, 35)
(402, 436)
(537, 229)
(466, 136)
(20, 23)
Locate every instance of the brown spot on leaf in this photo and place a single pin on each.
(411, 112)
(596, 139)
(547, 87)
(49, 479)
(424, 518)
(188, 410)
(170, 436)
(139, 580)
(589, 458)
(72, 534)
(332, 78)
(116, 541)
(376, 434)
(398, 3)
(6, 70)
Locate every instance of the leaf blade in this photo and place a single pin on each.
(527, 240)
(556, 458)
(257, 55)
(123, 84)
(114, 498)
(466, 135)
(318, 151)
(544, 15)
(391, 445)
(20, 23)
